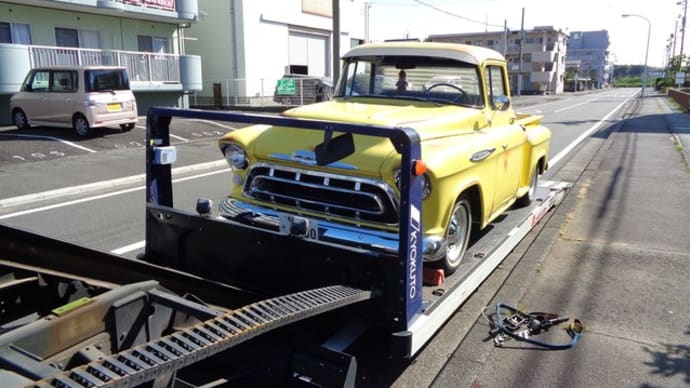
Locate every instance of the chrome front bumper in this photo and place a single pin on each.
(356, 238)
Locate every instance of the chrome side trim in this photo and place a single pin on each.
(481, 155)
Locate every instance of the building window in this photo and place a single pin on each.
(18, 33)
(152, 44)
(70, 37)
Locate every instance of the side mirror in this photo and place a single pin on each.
(502, 103)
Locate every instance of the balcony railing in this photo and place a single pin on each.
(141, 66)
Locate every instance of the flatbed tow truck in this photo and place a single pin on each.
(208, 292)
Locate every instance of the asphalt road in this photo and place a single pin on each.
(112, 219)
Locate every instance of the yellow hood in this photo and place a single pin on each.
(372, 153)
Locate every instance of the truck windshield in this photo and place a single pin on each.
(419, 78)
(103, 80)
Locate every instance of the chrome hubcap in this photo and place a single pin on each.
(456, 234)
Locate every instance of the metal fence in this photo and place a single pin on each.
(260, 92)
(141, 66)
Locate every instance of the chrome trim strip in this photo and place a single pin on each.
(330, 233)
(309, 158)
(481, 155)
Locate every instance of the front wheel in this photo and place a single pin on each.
(457, 236)
(81, 126)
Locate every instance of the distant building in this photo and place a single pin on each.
(248, 46)
(145, 36)
(588, 59)
(543, 56)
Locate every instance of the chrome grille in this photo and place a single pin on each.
(330, 194)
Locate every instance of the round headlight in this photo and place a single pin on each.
(235, 156)
(426, 182)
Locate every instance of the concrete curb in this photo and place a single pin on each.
(684, 150)
(109, 184)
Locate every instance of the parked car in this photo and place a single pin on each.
(479, 156)
(82, 98)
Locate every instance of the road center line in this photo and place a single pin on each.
(573, 106)
(57, 139)
(583, 136)
(101, 196)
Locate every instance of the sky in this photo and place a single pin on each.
(393, 19)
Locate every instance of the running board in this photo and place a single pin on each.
(167, 354)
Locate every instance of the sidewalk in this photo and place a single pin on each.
(615, 254)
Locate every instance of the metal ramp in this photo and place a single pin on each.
(167, 354)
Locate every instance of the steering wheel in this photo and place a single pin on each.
(459, 89)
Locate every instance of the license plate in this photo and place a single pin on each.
(291, 225)
(114, 107)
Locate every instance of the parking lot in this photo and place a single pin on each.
(46, 143)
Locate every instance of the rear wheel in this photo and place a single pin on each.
(127, 127)
(19, 119)
(457, 236)
(81, 125)
(527, 199)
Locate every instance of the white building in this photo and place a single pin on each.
(145, 36)
(248, 45)
(536, 65)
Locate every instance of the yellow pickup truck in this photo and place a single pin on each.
(479, 156)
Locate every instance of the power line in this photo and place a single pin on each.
(456, 15)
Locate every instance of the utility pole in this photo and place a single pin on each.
(682, 29)
(675, 36)
(505, 36)
(522, 39)
(367, 7)
(336, 40)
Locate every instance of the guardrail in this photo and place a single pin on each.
(682, 97)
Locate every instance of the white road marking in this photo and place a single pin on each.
(574, 106)
(171, 135)
(65, 142)
(82, 189)
(214, 123)
(178, 137)
(129, 248)
(101, 196)
(583, 136)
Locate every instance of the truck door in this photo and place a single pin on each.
(510, 138)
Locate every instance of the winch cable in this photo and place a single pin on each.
(521, 325)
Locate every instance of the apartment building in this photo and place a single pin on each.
(536, 57)
(145, 36)
(587, 60)
(248, 46)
